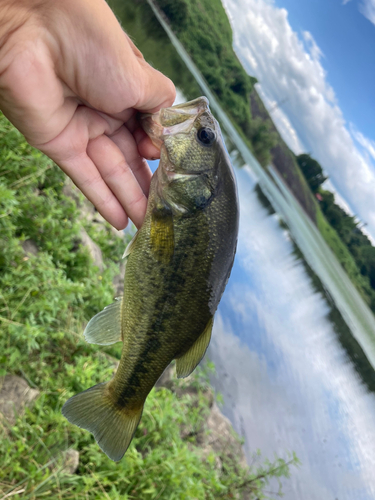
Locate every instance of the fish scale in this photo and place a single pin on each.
(176, 270)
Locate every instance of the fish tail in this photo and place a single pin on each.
(112, 426)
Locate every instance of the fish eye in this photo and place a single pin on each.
(206, 136)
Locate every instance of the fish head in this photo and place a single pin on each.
(191, 153)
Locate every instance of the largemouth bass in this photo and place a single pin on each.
(177, 267)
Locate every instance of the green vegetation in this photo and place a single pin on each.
(356, 244)
(312, 171)
(45, 301)
(284, 160)
(221, 68)
(350, 245)
(141, 25)
(204, 29)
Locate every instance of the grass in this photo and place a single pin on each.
(45, 302)
(343, 256)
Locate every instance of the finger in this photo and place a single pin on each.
(85, 124)
(125, 116)
(86, 176)
(119, 177)
(146, 148)
(124, 140)
(156, 90)
(68, 150)
(133, 122)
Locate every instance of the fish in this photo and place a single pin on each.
(176, 269)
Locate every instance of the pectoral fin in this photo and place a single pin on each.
(162, 234)
(105, 327)
(189, 361)
(130, 246)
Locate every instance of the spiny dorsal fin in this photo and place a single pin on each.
(105, 327)
(162, 234)
(189, 361)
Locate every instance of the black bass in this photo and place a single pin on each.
(177, 267)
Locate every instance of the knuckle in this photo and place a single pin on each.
(136, 200)
(116, 171)
(136, 164)
(91, 181)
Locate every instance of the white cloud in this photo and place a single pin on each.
(289, 69)
(312, 46)
(284, 126)
(367, 144)
(367, 8)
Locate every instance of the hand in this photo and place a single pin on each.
(71, 81)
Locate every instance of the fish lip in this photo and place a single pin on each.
(178, 119)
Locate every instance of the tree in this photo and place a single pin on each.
(367, 260)
(312, 171)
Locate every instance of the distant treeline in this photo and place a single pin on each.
(347, 226)
(203, 28)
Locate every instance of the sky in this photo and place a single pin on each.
(315, 63)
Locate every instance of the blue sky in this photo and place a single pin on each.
(315, 63)
(347, 41)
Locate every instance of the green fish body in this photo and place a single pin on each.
(177, 267)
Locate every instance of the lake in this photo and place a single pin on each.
(293, 342)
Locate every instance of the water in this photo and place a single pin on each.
(293, 342)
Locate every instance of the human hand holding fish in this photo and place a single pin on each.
(72, 81)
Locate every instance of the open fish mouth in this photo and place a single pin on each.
(177, 119)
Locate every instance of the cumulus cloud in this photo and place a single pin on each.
(367, 144)
(290, 70)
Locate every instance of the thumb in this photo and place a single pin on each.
(156, 90)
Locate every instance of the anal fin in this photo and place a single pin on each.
(187, 363)
(105, 327)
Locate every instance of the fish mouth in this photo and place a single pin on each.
(177, 119)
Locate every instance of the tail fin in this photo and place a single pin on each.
(112, 427)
